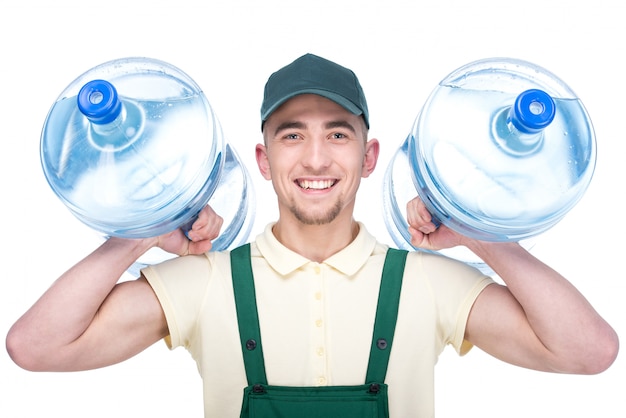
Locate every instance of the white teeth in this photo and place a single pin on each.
(316, 184)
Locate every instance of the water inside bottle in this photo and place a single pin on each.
(108, 181)
(461, 164)
(472, 172)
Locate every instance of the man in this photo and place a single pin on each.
(317, 274)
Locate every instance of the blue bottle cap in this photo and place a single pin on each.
(98, 101)
(533, 111)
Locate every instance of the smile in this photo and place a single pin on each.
(316, 184)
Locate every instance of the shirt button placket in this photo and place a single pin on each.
(319, 347)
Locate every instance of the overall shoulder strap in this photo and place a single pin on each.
(247, 314)
(386, 315)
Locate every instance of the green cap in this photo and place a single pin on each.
(314, 75)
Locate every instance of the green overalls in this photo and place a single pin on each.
(369, 400)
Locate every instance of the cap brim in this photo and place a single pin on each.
(340, 100)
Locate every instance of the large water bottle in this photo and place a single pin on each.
(133, 148)
(501, 151)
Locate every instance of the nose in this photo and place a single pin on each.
(317, 154)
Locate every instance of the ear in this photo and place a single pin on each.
(372, 148)
(263, 162)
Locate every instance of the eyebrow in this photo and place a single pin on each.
(341, 124)
(288, 125)
(301, 125)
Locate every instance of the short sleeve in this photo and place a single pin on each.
(180, 284)
(455, 287)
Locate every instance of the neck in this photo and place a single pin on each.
(316, 242)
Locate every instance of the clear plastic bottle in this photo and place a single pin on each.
(501, 151)
(133, 149)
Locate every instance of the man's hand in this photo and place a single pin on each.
(198, 240)
(424, 233)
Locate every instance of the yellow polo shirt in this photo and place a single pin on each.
(317, 319)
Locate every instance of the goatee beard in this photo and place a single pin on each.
(316, 218)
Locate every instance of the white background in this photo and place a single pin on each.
(400, 50)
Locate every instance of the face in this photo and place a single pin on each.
(315, 154)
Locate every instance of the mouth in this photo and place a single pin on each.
(316, 184)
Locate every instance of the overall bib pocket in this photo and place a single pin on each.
(364, 401)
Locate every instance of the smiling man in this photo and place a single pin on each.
(315, 154)
(315, 317)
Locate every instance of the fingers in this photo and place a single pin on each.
(418, 238)
(418, 216)
(425, 233)
(205, 229)
(198, 239)
(198, 247)
(420, 225)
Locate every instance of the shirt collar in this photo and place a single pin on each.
(348, 261)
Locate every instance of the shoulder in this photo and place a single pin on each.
(444, 278)
(189, 271)
(434, 264)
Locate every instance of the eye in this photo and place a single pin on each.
(338, 135)
(292, 136)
